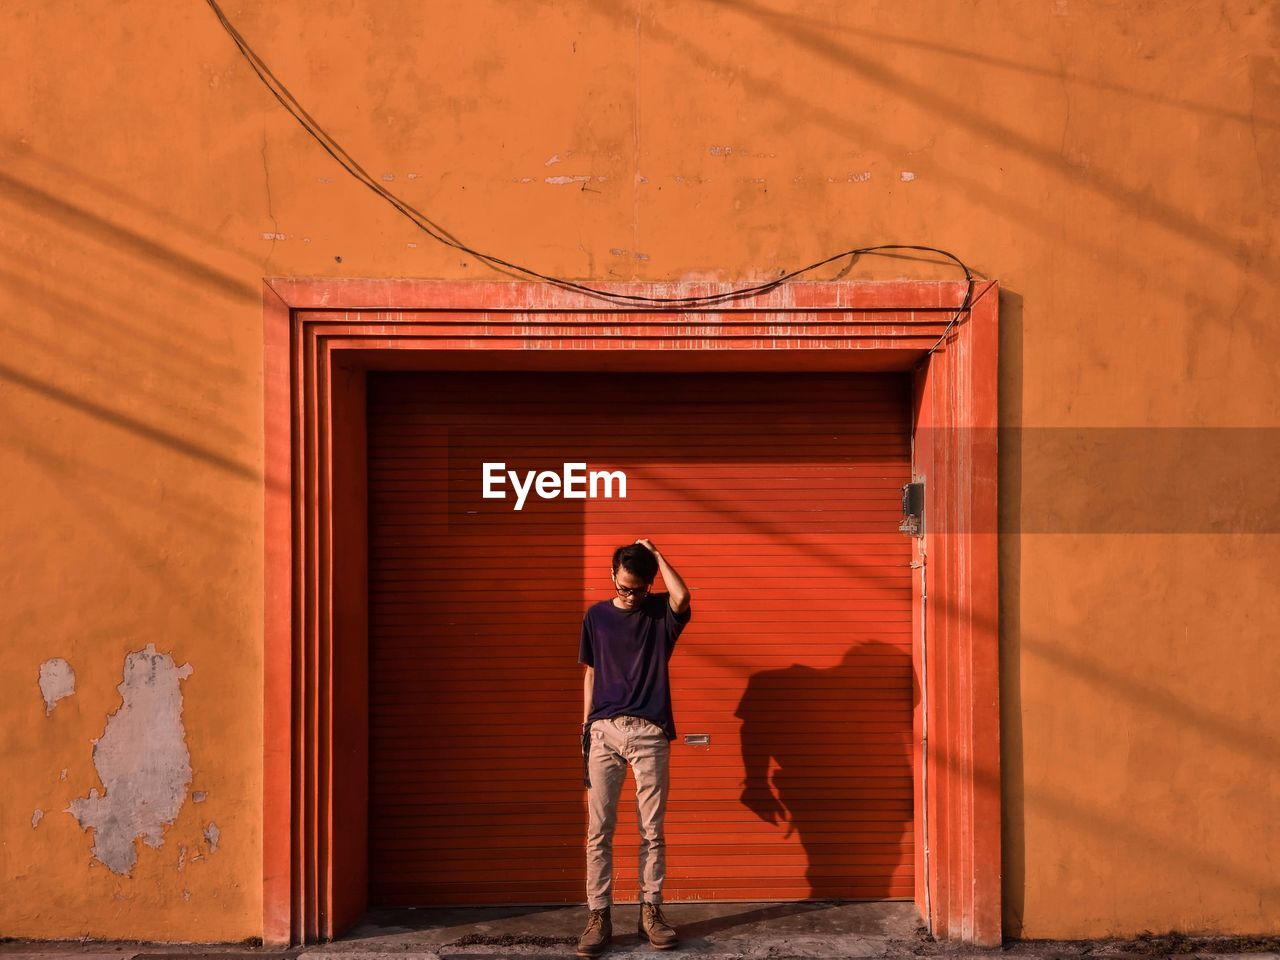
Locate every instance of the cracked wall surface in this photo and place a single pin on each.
(57, 680)
(142, 760)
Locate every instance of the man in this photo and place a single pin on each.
(625, 645)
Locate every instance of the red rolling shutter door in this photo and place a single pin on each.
(777, 497)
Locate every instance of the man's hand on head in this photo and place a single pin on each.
(676, 588)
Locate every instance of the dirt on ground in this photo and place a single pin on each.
(921, 943)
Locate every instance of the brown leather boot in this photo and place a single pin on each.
(597, 935)
(654, 926)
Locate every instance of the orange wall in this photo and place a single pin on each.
(1113, 165)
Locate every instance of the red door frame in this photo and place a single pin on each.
(321, 336)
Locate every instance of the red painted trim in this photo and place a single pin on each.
(427, 324)
(956, 453)
(278, 589)
(984, 606)
(920, 468)
(400, 294)
(307, 704)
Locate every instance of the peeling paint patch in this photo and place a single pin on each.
(641, 178)
(182, 857)
(906, 176)
(563, 180)
(63, 775)
(186, 894)
(35, 817)
(198, 796)
(211, 835)
(388, 176)
(57, 680)
(720, 151)
(555, 158)
(273, 236)
(142, 761)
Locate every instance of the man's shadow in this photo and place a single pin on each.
(840, 742)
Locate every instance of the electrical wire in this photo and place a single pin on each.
(438, 233)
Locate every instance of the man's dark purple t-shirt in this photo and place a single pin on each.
(629, 650)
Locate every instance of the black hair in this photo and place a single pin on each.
(638, 560)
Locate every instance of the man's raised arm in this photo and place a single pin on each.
(675, 586)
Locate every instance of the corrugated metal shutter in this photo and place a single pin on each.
(777, 497)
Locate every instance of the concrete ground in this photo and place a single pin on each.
(710, 931)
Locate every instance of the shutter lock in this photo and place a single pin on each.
(912, 509)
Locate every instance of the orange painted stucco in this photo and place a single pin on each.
(1113, 165)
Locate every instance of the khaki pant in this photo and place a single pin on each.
(616, 742)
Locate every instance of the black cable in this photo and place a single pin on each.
(438, 233)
